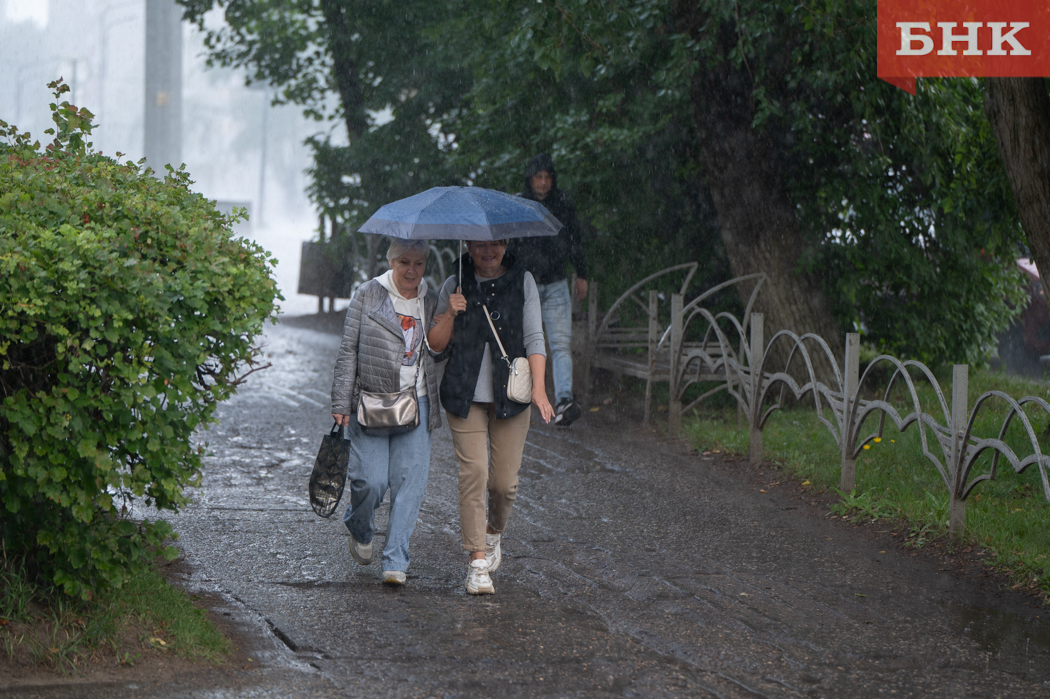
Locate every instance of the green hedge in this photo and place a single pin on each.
(127, 311)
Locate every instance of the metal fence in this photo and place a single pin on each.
(763, 376)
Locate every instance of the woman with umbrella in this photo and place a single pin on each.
(488, 428)
(383, 351)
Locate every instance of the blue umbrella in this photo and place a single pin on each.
(462, 213)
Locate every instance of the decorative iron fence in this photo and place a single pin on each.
(744, 363)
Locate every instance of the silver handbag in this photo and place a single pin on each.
(387, 414)
(519, 383)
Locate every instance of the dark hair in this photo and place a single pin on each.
(538, 163)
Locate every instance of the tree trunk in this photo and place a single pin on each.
(755, 212)
(1019, 112)
(344, 68)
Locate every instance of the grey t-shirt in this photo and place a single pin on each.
(532, 324)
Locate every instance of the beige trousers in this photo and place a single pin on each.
(476, 438)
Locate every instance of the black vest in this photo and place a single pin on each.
(505, 299)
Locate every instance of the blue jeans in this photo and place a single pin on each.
(401, 463)
(556, 309)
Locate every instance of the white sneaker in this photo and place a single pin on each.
(478, 580)
(493, 551)
(394, 577)
(362, 553)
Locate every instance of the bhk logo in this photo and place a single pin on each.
(962, 38)
(916, 39)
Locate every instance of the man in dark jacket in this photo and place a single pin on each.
(546, 257)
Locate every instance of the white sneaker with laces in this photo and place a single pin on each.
(362, 553)
(493, 551)
(394, 577)
(478, 580)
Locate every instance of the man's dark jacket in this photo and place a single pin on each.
(546, 256)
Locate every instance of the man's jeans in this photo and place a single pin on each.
(556, 308)
(401, 463)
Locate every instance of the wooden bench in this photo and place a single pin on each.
(650, 345)
(629, 346)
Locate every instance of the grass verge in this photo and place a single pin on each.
(39, 627)
(1008, 516)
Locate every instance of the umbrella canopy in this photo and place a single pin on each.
(462, 213)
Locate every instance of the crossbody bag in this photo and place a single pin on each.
(519, 383)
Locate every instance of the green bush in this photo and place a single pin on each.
(127, 310)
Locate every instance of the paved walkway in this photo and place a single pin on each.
(630, 569)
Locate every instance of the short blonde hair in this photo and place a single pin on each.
(399, 246)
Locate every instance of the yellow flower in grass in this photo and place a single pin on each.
(878, 439)
(867, 446)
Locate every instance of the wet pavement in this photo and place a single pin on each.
(630, 568)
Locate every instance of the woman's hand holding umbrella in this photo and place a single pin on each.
(441, 332)
(457, 303)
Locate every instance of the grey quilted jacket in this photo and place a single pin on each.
(371, 351)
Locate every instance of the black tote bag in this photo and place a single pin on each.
(329, 474)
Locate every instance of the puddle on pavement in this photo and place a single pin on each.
(1013, 644)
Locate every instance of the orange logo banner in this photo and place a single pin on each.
(962, 38)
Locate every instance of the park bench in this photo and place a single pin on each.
(642, 335)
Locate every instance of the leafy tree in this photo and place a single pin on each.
(624, 147)
(350, 62)
(864, 206)
(752, 136)
(412, 58)
(127, 310)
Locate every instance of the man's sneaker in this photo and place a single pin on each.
(566, 412)
(362, 553)
(493, 553)
(393, 577)
(478, 580)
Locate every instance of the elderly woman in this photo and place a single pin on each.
(383, 351)
(488, 429)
